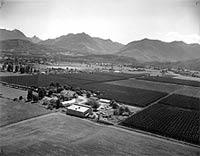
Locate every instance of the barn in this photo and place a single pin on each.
(79, 110)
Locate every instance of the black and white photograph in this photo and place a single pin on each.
(99, 77)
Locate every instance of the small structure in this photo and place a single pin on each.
(104, 101)
(79, 110)
(69, 102)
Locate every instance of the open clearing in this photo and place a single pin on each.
(59, 134)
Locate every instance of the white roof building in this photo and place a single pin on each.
(79, 110)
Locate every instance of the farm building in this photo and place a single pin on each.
(105, 101)
(79, 110)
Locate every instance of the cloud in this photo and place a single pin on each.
(188, 38)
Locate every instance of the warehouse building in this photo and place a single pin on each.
(79, 110)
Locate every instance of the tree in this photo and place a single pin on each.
(30, 95)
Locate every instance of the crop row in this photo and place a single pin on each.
(128, 95)
(42, 80)
(167, 121)
(182, 101)
(171, 80)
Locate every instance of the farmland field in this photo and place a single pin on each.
(41, 80)
(73, 79)
(128, 95)
(182, 101)
(171, 80)
(59, 135)
(167, 121)
(156, 86)
(189, 91)
(12, 111)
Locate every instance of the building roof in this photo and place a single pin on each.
(78, 108)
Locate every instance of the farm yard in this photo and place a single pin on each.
(167, 121)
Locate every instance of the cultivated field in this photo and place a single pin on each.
(182, 101)
(168, 121)
(131, 96)
(95, 82)
(74, 79)
(189, 91)
(59, 134)
(149, 85)
(171, 80)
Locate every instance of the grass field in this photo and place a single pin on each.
(11, 111)
(149, 85)
(182, 101)
(11, 93)
(59, 134)
(128, 95)
(168, 121)
(171, 80)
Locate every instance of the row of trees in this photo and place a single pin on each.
(18, 68)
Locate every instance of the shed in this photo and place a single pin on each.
(79, 110)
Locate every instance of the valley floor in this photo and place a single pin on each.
(40, 132)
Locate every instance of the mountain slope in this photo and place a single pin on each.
(25, 47)
(14, 34)
(35, 39)
(84, 44)
(154, 50)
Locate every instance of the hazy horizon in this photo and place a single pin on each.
(121, 21)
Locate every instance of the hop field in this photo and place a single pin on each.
(168, 121)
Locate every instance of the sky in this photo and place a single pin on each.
(119, 20)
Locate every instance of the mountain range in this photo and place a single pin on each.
(82, 44)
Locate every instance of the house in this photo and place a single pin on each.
(79, 110)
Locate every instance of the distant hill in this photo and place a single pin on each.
(154, 50)
(25, 47)
(84, 44)
(35, 39)
(14, 34)
(81, 44)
